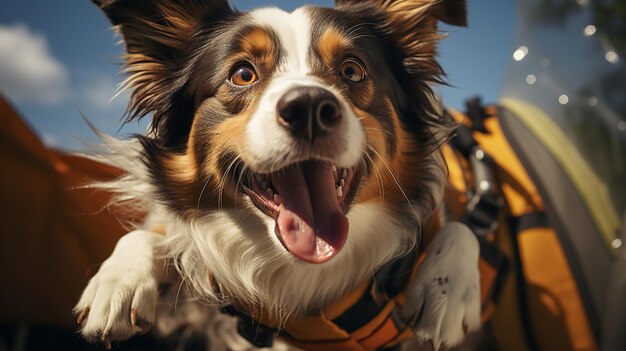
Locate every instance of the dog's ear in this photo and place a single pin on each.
(157, 36)
(412, 26)
(450, 11)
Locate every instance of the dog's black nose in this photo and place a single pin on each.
(308, 112)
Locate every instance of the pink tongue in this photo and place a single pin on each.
(310, 221)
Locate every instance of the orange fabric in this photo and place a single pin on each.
(554, 302)
(557, 315)
(549, 280)
(314, 329)
(385, 332)
(319, 333)
(52, 236)
(487, 278)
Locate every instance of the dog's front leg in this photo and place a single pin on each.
(120, 300)
(443, 303)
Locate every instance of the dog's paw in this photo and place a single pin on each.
(120, 300)
(443, 303)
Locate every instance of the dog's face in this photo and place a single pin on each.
(293, 116)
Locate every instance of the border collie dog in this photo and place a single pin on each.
(290, 157)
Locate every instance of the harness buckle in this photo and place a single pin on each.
(485, 202)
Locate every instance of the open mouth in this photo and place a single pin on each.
(308, 200)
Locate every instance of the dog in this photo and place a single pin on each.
(290, 157)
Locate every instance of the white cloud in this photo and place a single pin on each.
(28, 71)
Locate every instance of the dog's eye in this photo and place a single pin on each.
(244, 74)
(352, 70)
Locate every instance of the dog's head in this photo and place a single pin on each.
(295, 116)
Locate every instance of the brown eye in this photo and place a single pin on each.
(243, 75)
(352, 70)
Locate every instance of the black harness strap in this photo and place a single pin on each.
(393, 277)
(484, 207)
(485, 202)
(255, 333)
(536, 219)
(390, 280)
(359, 314)
(476, 113)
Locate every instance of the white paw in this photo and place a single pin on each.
(120, 300)
(443, 305)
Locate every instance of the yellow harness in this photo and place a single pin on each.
(365, 319)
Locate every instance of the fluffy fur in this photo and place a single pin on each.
(195, 171)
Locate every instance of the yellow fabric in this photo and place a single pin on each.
(315, 333)
(320, 333)
(559, 319)
(557, 315)
(593, 191)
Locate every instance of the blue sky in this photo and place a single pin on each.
(59, 59)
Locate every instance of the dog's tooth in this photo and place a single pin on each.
(342, 182)
(277, 199)
(335, 175)
(270, 191)
(344, 173)
(339, 191)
